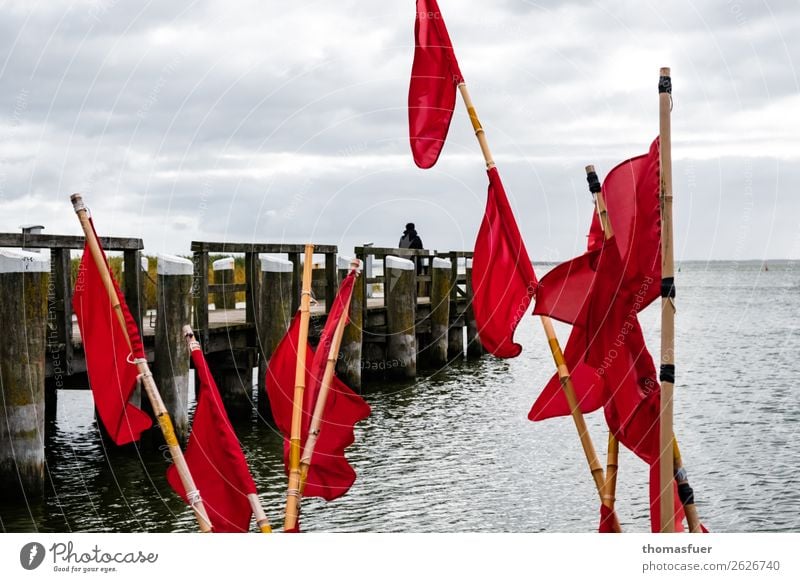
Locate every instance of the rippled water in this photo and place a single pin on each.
(455, 452)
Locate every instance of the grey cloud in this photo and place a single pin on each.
(194, 120)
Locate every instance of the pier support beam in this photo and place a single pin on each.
(474, 346)
(23, 321)
(401, 310)
(273, 317)
(348, 368)
(171, 370)
(441, 282)
(233, 372)
(224, 275)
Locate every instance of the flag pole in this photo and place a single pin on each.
(592, 459)
(255, 503)
(149, 384)
(322, 398)
(293, 491)
(667, 373)
(612, 458)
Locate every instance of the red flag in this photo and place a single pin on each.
(330, 475)
(216, 460)
(109, 357)
(631, 191)
(434, 78)
(620, 275)
(503, 280)
(607, 520)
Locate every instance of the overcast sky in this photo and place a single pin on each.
(286, 121)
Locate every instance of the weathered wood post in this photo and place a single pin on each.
(441, 270)
(224, 275)
(171, 370)
(275, 313)
(400, 288)
(23, 321)
(348, 367)
(455, 340)
(474, 347)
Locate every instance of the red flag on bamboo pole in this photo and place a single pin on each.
(625, 269)
(434, 78)
(330, 475)
(109, 357)
(216, 460)
(503, 279)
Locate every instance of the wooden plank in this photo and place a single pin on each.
(133, 285)
(383, 251)
(54, 241)
(60, 343)
(297, 278)
(228, 288)
(330, 279)
(200, 295)
(234, 247)
(252, 277)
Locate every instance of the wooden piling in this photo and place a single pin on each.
(274, 315)
(23, 321)
(400, 287)
(441, 282)
(171, 369)
(233, 372)
(474, 346)
(223, 275)
(348, 368)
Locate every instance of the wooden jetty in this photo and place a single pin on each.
(410, 310)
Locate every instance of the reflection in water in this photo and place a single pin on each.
(455, 451)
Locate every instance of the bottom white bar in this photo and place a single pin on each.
(350, 557)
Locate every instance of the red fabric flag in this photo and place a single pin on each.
(630, 272)
(503, 280)
(216, 460)
(330, 475)
(606, 520)
(435, 77)
(109, 358)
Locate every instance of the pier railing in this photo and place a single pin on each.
(59, 332)
(202, 289)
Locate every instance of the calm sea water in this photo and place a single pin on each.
(454, 451)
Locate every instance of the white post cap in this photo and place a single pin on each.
(225, 264)
(13, 261)
(270, 264)
(392, 262)
(440, 263)
(173, 265)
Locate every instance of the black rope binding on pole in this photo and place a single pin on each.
(686, 493)
(594, 182)
(668, 288)
(665, 85)
(667, 373)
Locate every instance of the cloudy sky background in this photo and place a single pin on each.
(277, 121)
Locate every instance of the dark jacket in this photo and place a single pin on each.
(410, 240)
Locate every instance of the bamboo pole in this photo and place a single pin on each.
(667, 375)
(609, 491)
(293, 491)
(255, 503)
(592, 459)
(322, 397)
(685, 490)
(149, 384)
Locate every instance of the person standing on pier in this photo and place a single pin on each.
(410, 238)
